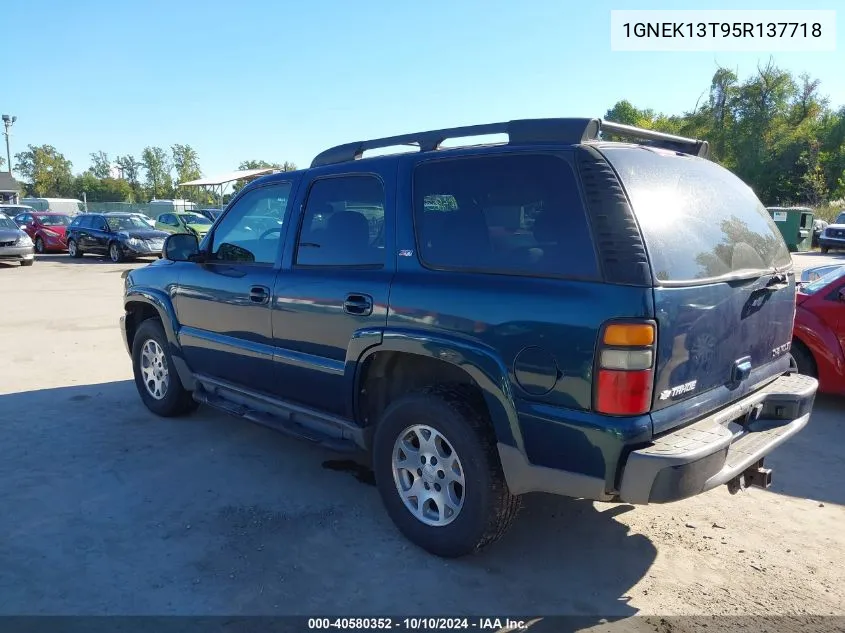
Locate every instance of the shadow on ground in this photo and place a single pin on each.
(111, 510)
(88, 259)
(810, 465)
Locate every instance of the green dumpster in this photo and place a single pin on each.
(796, 226)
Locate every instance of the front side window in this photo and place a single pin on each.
(508, 214)
(343, 223)
(251, 230)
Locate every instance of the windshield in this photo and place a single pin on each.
(194, 218)
(840, 219)
(699, 221)
(7, 223)
(814, 286)
(127, 223)
(53, 220)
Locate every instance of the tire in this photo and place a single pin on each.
(27, 262)
(170, 399)
(487, 509)
(115, 253)
(39, 246)
(804, 359)
(824, 250)
(73, 249)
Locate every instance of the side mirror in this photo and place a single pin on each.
(842, 294)
(181, 247)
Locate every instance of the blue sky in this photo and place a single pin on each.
(283, 80)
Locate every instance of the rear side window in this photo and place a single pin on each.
(698, 220)
(509, 214)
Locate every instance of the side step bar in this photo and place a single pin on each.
(333, 433)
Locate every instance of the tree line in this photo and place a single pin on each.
(156, 174)
(774, 130)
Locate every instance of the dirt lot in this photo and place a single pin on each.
(107, 509)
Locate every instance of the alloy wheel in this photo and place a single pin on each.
(154, 369)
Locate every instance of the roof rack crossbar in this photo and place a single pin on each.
(661, 139)
(520, 131)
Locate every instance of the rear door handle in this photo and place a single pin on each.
(259, 294)
(359, 305)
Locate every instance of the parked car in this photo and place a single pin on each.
(11, 210)
(117, 235)
(489, 321)
(15, 244)
(183, 222)
(818, 343)
(211, 214)
(47, 230)
(818, 228)
(833, 236)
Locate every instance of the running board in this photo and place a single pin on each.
(296, 421)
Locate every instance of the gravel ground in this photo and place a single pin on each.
(110, 510)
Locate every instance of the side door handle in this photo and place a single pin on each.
(259, 294)
(359, 305)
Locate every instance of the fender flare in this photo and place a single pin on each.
(163, 305)
(482, 364)
(825, 348)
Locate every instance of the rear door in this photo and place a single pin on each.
(337, 282)
(98, 236)
(724, 285)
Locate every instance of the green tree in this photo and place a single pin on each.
(46, 172)
(157, 165)
(100, 165)
(130, 170)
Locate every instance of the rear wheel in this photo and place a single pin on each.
(804, 359)
(438, 472)
(73, 249)
(157, 382)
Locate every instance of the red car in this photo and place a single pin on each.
(818, 343)
(47, 230)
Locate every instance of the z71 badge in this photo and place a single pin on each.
(674, 392)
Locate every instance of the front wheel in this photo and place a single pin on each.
(157, 382)
(39, 245)
(825, 249)
(115, 253)
(73, 250)
(27, 262)
(438, 472)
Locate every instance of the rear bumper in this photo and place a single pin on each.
(720, 447)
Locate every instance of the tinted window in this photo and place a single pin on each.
(343, 223)
(511, 214)
(98, 223)
(251, 230)
(840, 219)
(82, 221)
(699, 221)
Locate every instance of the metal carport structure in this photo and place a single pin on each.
(217, 184)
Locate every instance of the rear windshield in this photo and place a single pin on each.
(53, 220)
(699, 221)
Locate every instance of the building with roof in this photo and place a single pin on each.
(10, 189)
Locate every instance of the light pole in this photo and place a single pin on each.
(8, 121)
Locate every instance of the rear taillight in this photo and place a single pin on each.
(625, 363)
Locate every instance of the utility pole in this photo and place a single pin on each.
(8, 121)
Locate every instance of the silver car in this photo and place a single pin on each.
(15, 245)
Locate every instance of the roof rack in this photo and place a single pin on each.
(520, 132)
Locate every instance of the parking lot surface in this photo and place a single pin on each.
(107, 509)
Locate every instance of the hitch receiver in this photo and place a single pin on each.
(756, 476)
